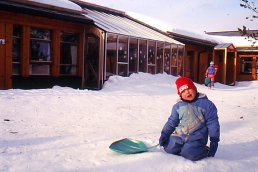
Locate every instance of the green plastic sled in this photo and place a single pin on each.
(207, 81)
(129, 146)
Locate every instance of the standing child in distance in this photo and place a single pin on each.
(210, 73)
(192, 120)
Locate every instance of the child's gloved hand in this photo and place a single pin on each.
(213, 146)
(164, 139)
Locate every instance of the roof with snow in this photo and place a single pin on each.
(117, 22)
(192, 40)
(53, 11)
(229, 46)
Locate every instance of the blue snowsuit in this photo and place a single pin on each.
(191, 123)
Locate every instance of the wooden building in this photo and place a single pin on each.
(247, 63)
(237, 61)
(42, 45)
(232, 63)
(197, 56)
(224, 56)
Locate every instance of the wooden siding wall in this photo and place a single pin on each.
(8, 19)
(2, 56)
(5, 55)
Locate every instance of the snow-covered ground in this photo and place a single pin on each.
(66, 130)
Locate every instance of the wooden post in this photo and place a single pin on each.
(56, 53)
(225, 67)
(2, 55)
(8, 56)
(25, 51)
(235, 62)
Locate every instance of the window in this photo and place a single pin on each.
(143, 56)
(256, 65)
(167, 58)
(159, 57)
(123, 49)
(40, 51)
(133, 55)
(16, 51)
(246, 65)
(69, 53)
(123, 56)
(151, 57)
(174, 62)
(111, 59)
(180, 60)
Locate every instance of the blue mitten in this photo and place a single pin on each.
(213, 146)
(164, 139)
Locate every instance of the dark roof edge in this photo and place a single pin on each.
(25, 8)
(188, 39)
(230, 33)
(92, 6)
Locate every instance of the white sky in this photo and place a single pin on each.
(194, 15)
(69, 130)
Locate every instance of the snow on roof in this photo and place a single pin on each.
(60, 3)
(237, 41)
(151, 21)
(124, 26)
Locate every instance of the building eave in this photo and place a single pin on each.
(25, 8)
(191, 40)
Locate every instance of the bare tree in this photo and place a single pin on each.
(251, 36)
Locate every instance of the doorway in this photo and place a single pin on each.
(91, 63)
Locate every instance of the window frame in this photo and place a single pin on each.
(70, 68)
(42, 66)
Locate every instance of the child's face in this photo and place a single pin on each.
(188, 94)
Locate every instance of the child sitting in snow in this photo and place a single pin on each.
(192, 119)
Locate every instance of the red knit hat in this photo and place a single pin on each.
(183, 83)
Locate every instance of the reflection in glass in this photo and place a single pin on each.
(42, 34)
(122, 69)
(111, 59)
(123, 49)
(133, 55)
(180, 60)
(151, 57)
(123, 56)
(40, 51)
(159, 57)
(143, 56)
(16, 51)
(246, 66)
(68, 53)
(167, 58)
(39, 69)
(151, 52)
(256, 65)
(174, 60)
